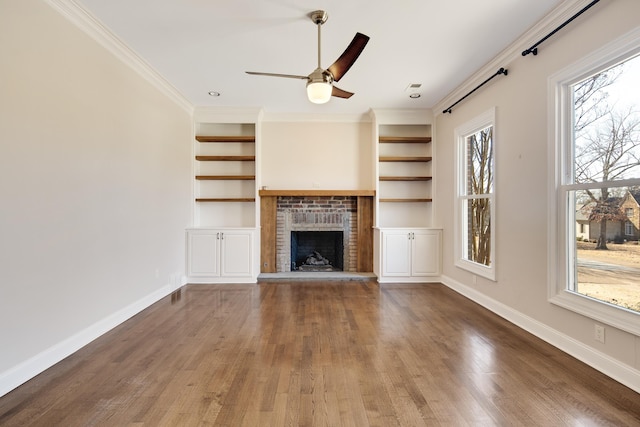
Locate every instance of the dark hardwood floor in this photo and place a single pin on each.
(338, 353)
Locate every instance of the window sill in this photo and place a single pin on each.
(620, 318)
(477, 269)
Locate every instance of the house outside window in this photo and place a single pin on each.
(595, 167)
(475, 197)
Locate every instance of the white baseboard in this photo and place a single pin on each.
(28, 369)
(620, 372)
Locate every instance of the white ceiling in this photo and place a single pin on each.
(207, 45)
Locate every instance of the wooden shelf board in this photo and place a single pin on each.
(234, 138)
(225, 177)
(304, 193)
(405, 139)
(227, 199)
(226, 158)
(404, 159)
(406, 200)
(405, 178)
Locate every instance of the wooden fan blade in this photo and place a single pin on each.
(348, 57)
(337, 92)
(289, 76)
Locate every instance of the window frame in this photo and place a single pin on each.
(561, 215)
(480, 122)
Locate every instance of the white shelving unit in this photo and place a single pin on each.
(225, 203)
(406, 245)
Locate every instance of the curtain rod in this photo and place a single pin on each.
(534, 49)
(497, 73)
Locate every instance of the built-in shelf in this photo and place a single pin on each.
(405, 178)
(226, 158)
(228, 199)
(237, 153)
(404, 168)
(406, 200)
(404, 159)
(225, 177)
(208, 138)
(405, 139)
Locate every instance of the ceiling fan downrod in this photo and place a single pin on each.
(319, 17)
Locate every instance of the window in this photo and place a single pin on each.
(595, 165)
(628, 229)
(475, 198)
(628, 212)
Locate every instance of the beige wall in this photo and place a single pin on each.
(521, 144)
(94, 189)
(317, 155)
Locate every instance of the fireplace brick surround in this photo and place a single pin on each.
(283, 211)
(316, 213)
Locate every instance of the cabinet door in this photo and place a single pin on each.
(425, 253)
(236, 253)
(203, 254)
(396, 253)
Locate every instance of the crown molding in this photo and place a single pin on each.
(312, 117)
(85, 21)
(227, 114)
(550, 22)
(402, 116)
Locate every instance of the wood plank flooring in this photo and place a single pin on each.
(316, 353)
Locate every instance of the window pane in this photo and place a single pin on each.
(606, 257)
(480, 162)
(478, 230)
(607, 124)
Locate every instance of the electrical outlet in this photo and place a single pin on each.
(599, 333)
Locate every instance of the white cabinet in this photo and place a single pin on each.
(221, 255)
(407, 254)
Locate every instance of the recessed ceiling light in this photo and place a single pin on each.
(414, 95)
(214, 93)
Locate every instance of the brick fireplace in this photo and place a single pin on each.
(301, 214)
(317, 215)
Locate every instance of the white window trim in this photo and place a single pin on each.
(560, 161)
(480, 122)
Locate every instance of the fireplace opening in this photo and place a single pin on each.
(317, 251)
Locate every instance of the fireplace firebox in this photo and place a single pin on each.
(317, 251)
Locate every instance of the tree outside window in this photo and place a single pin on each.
(475, 219)
(479, 187)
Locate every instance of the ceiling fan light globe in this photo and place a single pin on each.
(319, 92)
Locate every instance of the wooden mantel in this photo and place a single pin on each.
(311, 193)
(268, 206)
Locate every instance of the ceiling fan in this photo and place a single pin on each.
(320, 86)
